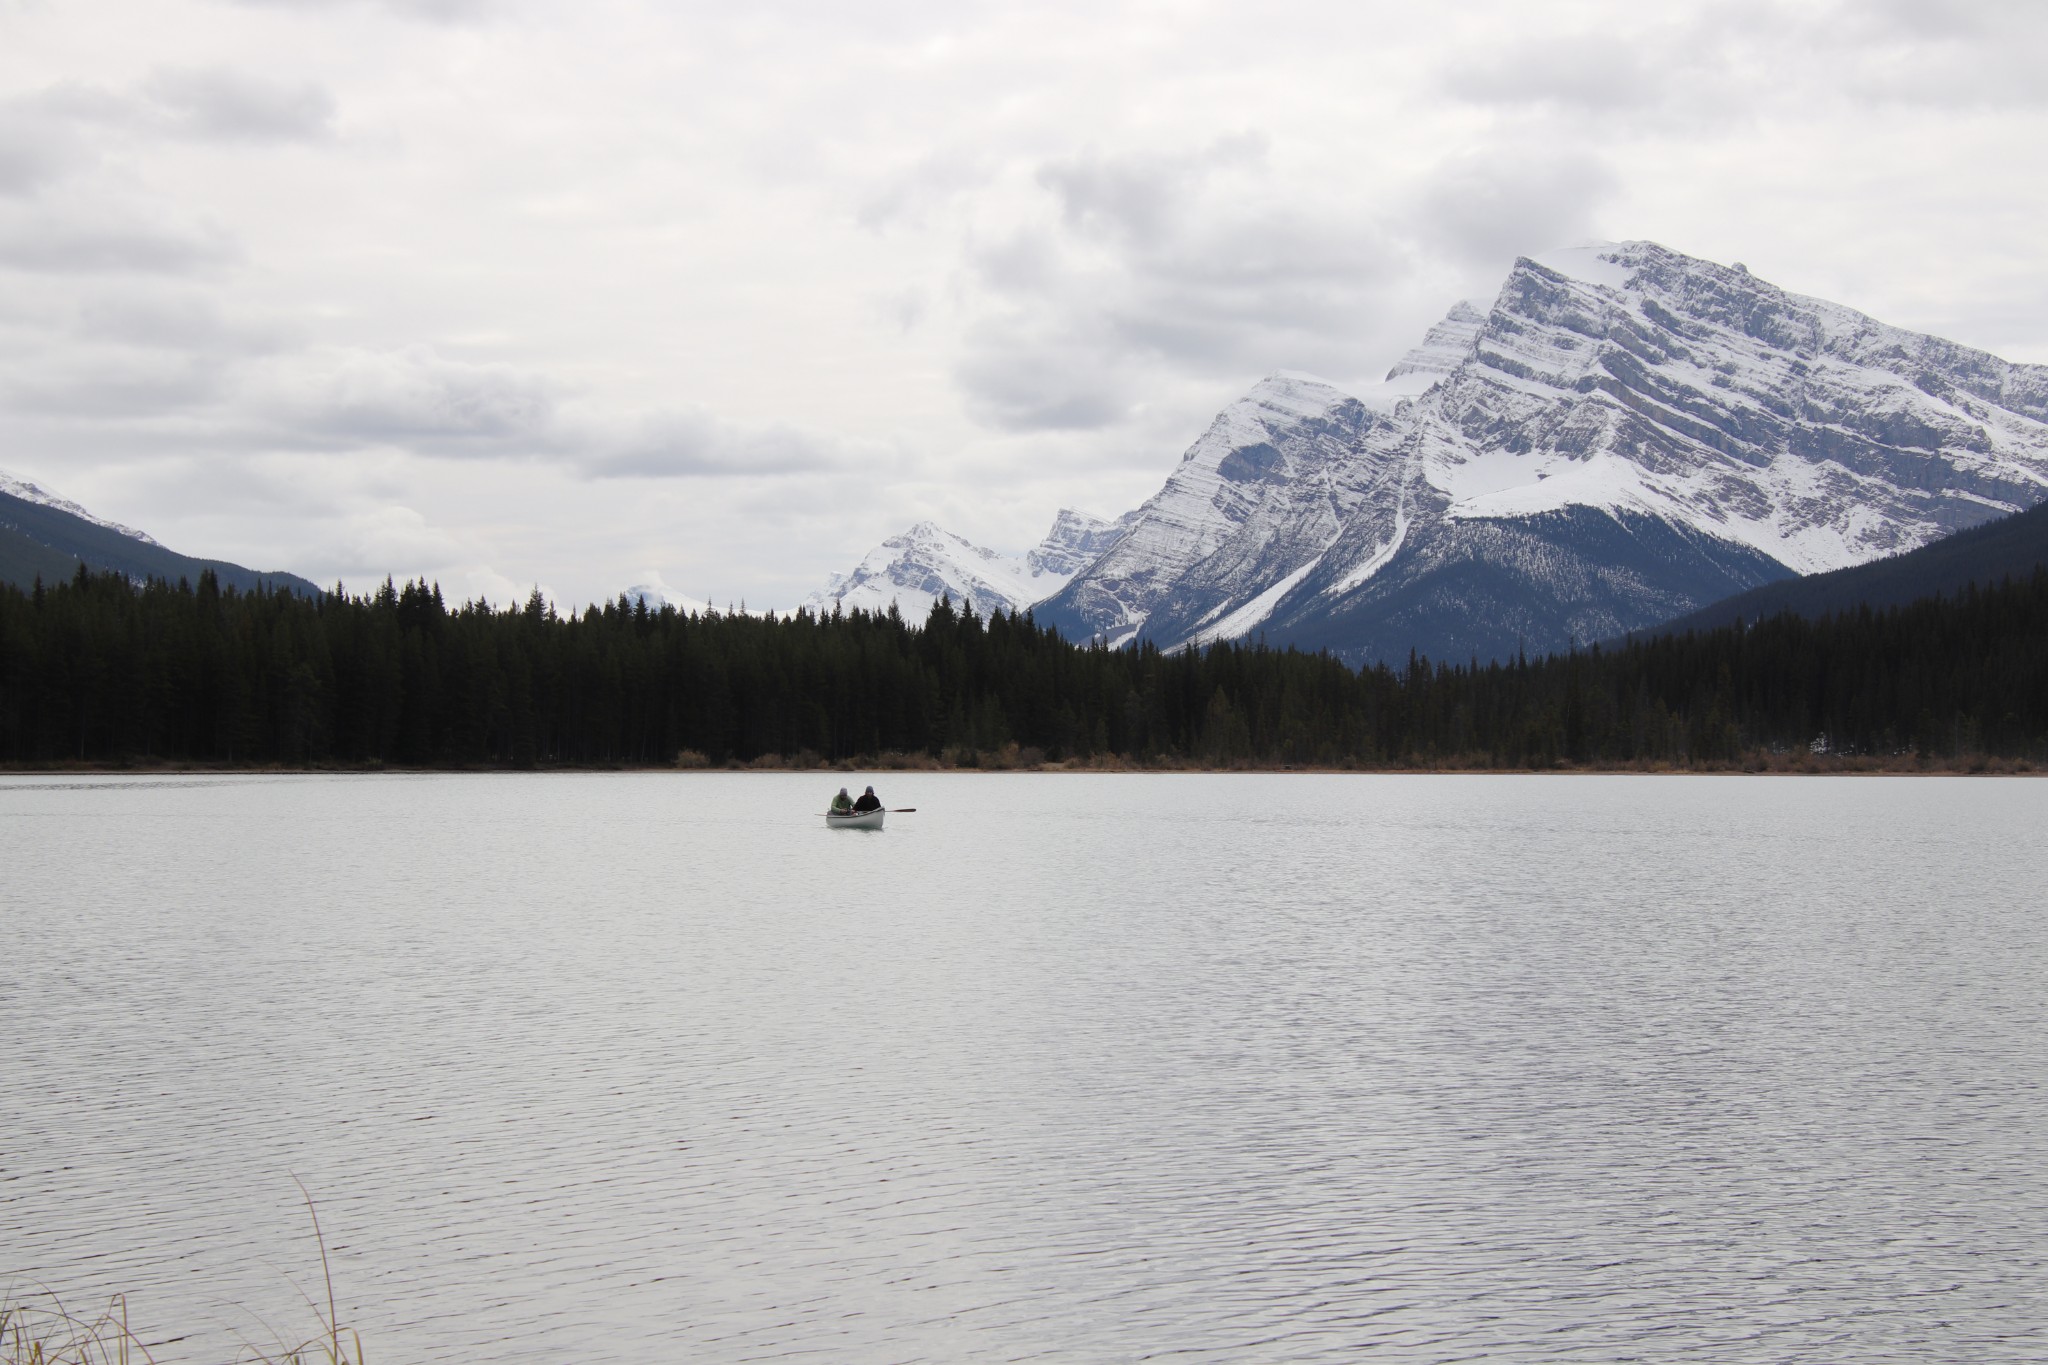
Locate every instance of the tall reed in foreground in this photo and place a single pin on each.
(40, 1329)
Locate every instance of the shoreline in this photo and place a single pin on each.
(895, 765)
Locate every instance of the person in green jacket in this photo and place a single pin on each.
(842, 802)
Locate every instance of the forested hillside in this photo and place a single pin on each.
(2010, 547)
(44, 539)
(99, 670)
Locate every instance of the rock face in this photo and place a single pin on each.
(1075, 541)
(913, 570)
(1624, 435)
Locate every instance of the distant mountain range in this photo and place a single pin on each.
(42, 535)
(913, 570)
(1623, 435)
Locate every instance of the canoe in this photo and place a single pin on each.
(861, 819)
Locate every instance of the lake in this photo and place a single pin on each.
(644, 1067)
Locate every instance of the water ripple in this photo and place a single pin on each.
(631, 1067)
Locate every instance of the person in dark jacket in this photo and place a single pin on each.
(868, 801)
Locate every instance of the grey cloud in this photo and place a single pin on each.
(1264, 286)
(433, 11)
(1022, 262)
(119, 348)
(39, 144)
(1489, 207)
(173, 321)
(933, 180)
(1926, 19)
(76, 102)
(1598, 73)
(426, 403)
(1141, 199)
(28, 160)
(1165, 266)
(205, 103)
(1018, 382)
(413, 398)
(1953, 58)
(109, 243)
(1735, 60)
(99, 388)
(695, 443)
(903, 309)
(216, 103)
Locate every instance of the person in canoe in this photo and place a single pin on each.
(868, 801)
(842, 804)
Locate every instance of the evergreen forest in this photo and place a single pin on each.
(101, 670)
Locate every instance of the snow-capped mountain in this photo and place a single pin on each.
(1272, 482)
(1075, 541)
(1625, 434)
(657, 594)
(14, 486)
(915, 569)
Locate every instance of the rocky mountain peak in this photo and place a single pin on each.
(1623, 434)
(1076, 540)
(1445, 346)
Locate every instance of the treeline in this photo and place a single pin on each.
(103, 670)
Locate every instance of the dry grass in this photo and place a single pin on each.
(41, 1329)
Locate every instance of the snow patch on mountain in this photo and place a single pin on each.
(1379, 559)
(1247, 618)
(15, 486)
(1594, 263)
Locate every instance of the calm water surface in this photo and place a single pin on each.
(1265, 1068)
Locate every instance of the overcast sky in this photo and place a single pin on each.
(507, 293)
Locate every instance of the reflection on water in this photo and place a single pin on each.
(649, 1067)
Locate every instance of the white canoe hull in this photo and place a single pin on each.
(867, 819)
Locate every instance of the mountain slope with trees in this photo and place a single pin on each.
(2012, 547)
(38, 539)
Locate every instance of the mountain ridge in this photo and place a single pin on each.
(915, 568)
(1627, 434)
(45, 536)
